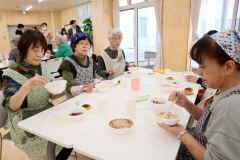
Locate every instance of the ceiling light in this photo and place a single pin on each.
(40, 0)
(28, 8)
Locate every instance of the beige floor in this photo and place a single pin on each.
(10, 152)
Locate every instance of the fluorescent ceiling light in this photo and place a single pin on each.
(28, 8)
(40, 0)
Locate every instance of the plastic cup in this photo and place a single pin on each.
(103, 106)
(167, 71)
(123, 82)
(130, 110)
(158, 80)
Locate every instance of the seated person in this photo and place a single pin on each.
(25, 95)
(63, 50)
(14, 54)
(78, 69)
(216, 135)
(110, 56)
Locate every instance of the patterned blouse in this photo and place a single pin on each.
(101, 69)
(10, 86)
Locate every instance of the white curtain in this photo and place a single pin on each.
(83, 11)
(158, 13)
(116, 12)
(195, 12)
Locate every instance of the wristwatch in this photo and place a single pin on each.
(182, 133)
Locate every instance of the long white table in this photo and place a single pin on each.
(91, 136)
(144, 141)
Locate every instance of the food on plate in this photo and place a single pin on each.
(158, 102)
(86, 106)
(129, 73)
(159, 71)
(151, 73)
(170, 115)
(121, 123)
(170, 78)
(76, 114)
(188, 89)
(119, 82)
(166, 85)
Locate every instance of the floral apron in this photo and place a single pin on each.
(34, 146)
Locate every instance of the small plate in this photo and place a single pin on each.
(175, 78)
(94, 107)
(150, 119)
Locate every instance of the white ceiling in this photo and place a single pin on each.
(45, 5)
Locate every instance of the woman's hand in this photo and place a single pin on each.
(35, 82)
(175, 130)
(182, 101)
(111, 72)
(194, 70)
(192, 79)
(48, 55)
(89, 88)
(132, 65)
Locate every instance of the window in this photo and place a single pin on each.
(83, 11)
(136, 1)
(123, 3)
(142, 27)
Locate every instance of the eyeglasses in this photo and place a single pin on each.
(84, 44)
(115, 39)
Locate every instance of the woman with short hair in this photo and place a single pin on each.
(25, 95)
(109, 57)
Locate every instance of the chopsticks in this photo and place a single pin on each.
(170, 107)
(93, 84)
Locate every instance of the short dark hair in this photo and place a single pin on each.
(72, 22)
(207, 47)
(63, 29)
(28, 38)
(20, 26)
(78, 40)
(211, 32)
(44, 24)
(34, 28)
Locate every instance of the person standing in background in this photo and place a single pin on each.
(73, 30)
(48, 35)
(34, 28)
(64, 34)
(19, 30)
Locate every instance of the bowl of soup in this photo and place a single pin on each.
(76, 114)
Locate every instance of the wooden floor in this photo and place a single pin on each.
(10, 152)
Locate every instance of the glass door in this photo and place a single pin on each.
(148, 37)
(127, 28)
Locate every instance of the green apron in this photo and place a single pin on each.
(34, 146)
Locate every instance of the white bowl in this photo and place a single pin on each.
(56, 87)
(120, 131)
(169, 122)
(157, 99)
(168, 89)
(132, 69)
(176, 82)
(128, 75)
(75, 110)
(103, 87)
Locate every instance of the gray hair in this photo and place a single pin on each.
(113, 31)
(15, 39)
(59, 38)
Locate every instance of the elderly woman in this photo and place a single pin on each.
(78, 69)
(25, 95)
(14, 54)
(63, 50)
(110, 56)
(216, 135)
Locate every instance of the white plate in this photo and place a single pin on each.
(150, 119)
(94, 107)
(175, 77)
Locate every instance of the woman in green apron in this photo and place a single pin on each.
(25, 95)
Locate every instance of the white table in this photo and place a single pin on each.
(66, 137)
(91, 135)
(144, 141)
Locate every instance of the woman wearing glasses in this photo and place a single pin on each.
(109, 57)
(78, 69)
